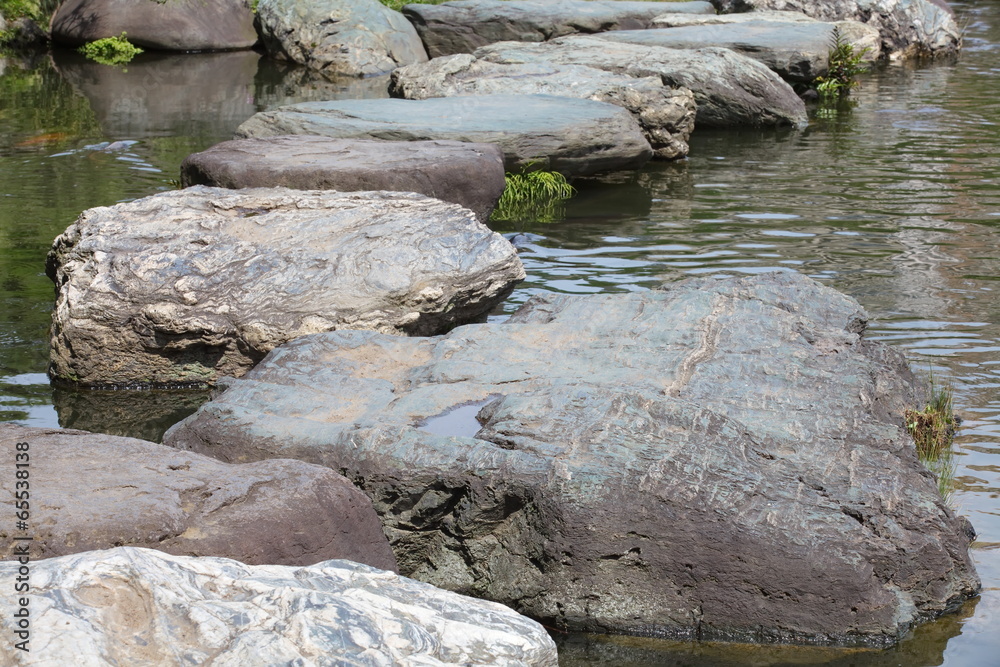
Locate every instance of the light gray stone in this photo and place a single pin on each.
(680, 19)
(729, 89)
(462, 26)
(909, 28)
(188, 285)
(796, 51)
(339, 37)
(724, 459)
(572, 136)
(93, 491)
(665, 114)
(131, 606)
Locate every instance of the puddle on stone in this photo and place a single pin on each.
(458, 421)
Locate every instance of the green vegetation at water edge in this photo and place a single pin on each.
(111, 50)
(399, 4)
(533, 196)
(933, 430)
(844, 64)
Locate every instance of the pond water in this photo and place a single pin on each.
(895, 202)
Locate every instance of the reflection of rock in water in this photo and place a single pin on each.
(280, 82)
(131, 413)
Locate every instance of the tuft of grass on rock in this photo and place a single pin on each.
(111, 50)
(399, 4)
(533, 196)
(933, 430)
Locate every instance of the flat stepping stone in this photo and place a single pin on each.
(465, 25)
(666, 115)
(186, 286)
(573, 136)
(796, 51)
(730, 89)
(674, 19)
(470, 175)
(94, 491)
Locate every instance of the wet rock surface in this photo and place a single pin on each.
(909, 28)
(339, 37)
(185, 286)
(730, 89)
(131, 606)
(796, 51)
(665, 114)
(572, 136)
(177, 25)
(470, 175)
(93, 491)
(725, 459)
(465, 25)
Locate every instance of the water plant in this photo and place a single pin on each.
(533, 195)
(933, 430)
(111, 50)
(843, 65)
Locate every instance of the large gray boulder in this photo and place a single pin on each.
(909, 28)
(796, 51)
(470, 175)
(339, 37)
(174, 25)
(188, 285)
(665, 114)
(131, 606)
(729, 89)
(92, 491)
(572, 136)
(680, 19)
(725, 459)
(462, 26)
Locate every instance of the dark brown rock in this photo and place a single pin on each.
(467, 174)
(90, 491)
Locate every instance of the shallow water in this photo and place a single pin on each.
(895, 202)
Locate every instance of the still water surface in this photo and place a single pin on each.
(895, 202)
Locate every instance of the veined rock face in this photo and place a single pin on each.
(189, 285)
(722, 459)
(129, 606)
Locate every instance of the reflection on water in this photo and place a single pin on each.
(895, 201)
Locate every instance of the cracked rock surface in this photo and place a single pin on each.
(130, 606)
(721, 459)
(93, 491)
(185, 286)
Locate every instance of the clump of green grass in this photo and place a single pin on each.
(844, 64)
(535, 196)
(933, 430)
(399, 4)
(111, 50)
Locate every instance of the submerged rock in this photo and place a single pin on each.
(665, 114)
(729, 89)
(177, 25)
(725, 459)
(462, 26)
(572, 136)
(131, 606)
(188, 285)
(909, 28)
(470, 175)
(345, 37)
(93, 491)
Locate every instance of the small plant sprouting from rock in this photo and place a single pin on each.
(844, 64)
(111, 50)
(535, 196)
(933, 430)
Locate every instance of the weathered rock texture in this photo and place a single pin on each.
(680, 19)
(131, 606)
(665, 114)
(188, 285)
(723, 460)
(93, 491)
(909, 27)
(345, 37)
(172, 25)
(796, 51)
(470, 175)
(729, 89)
(572, 136)
(463, 26)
